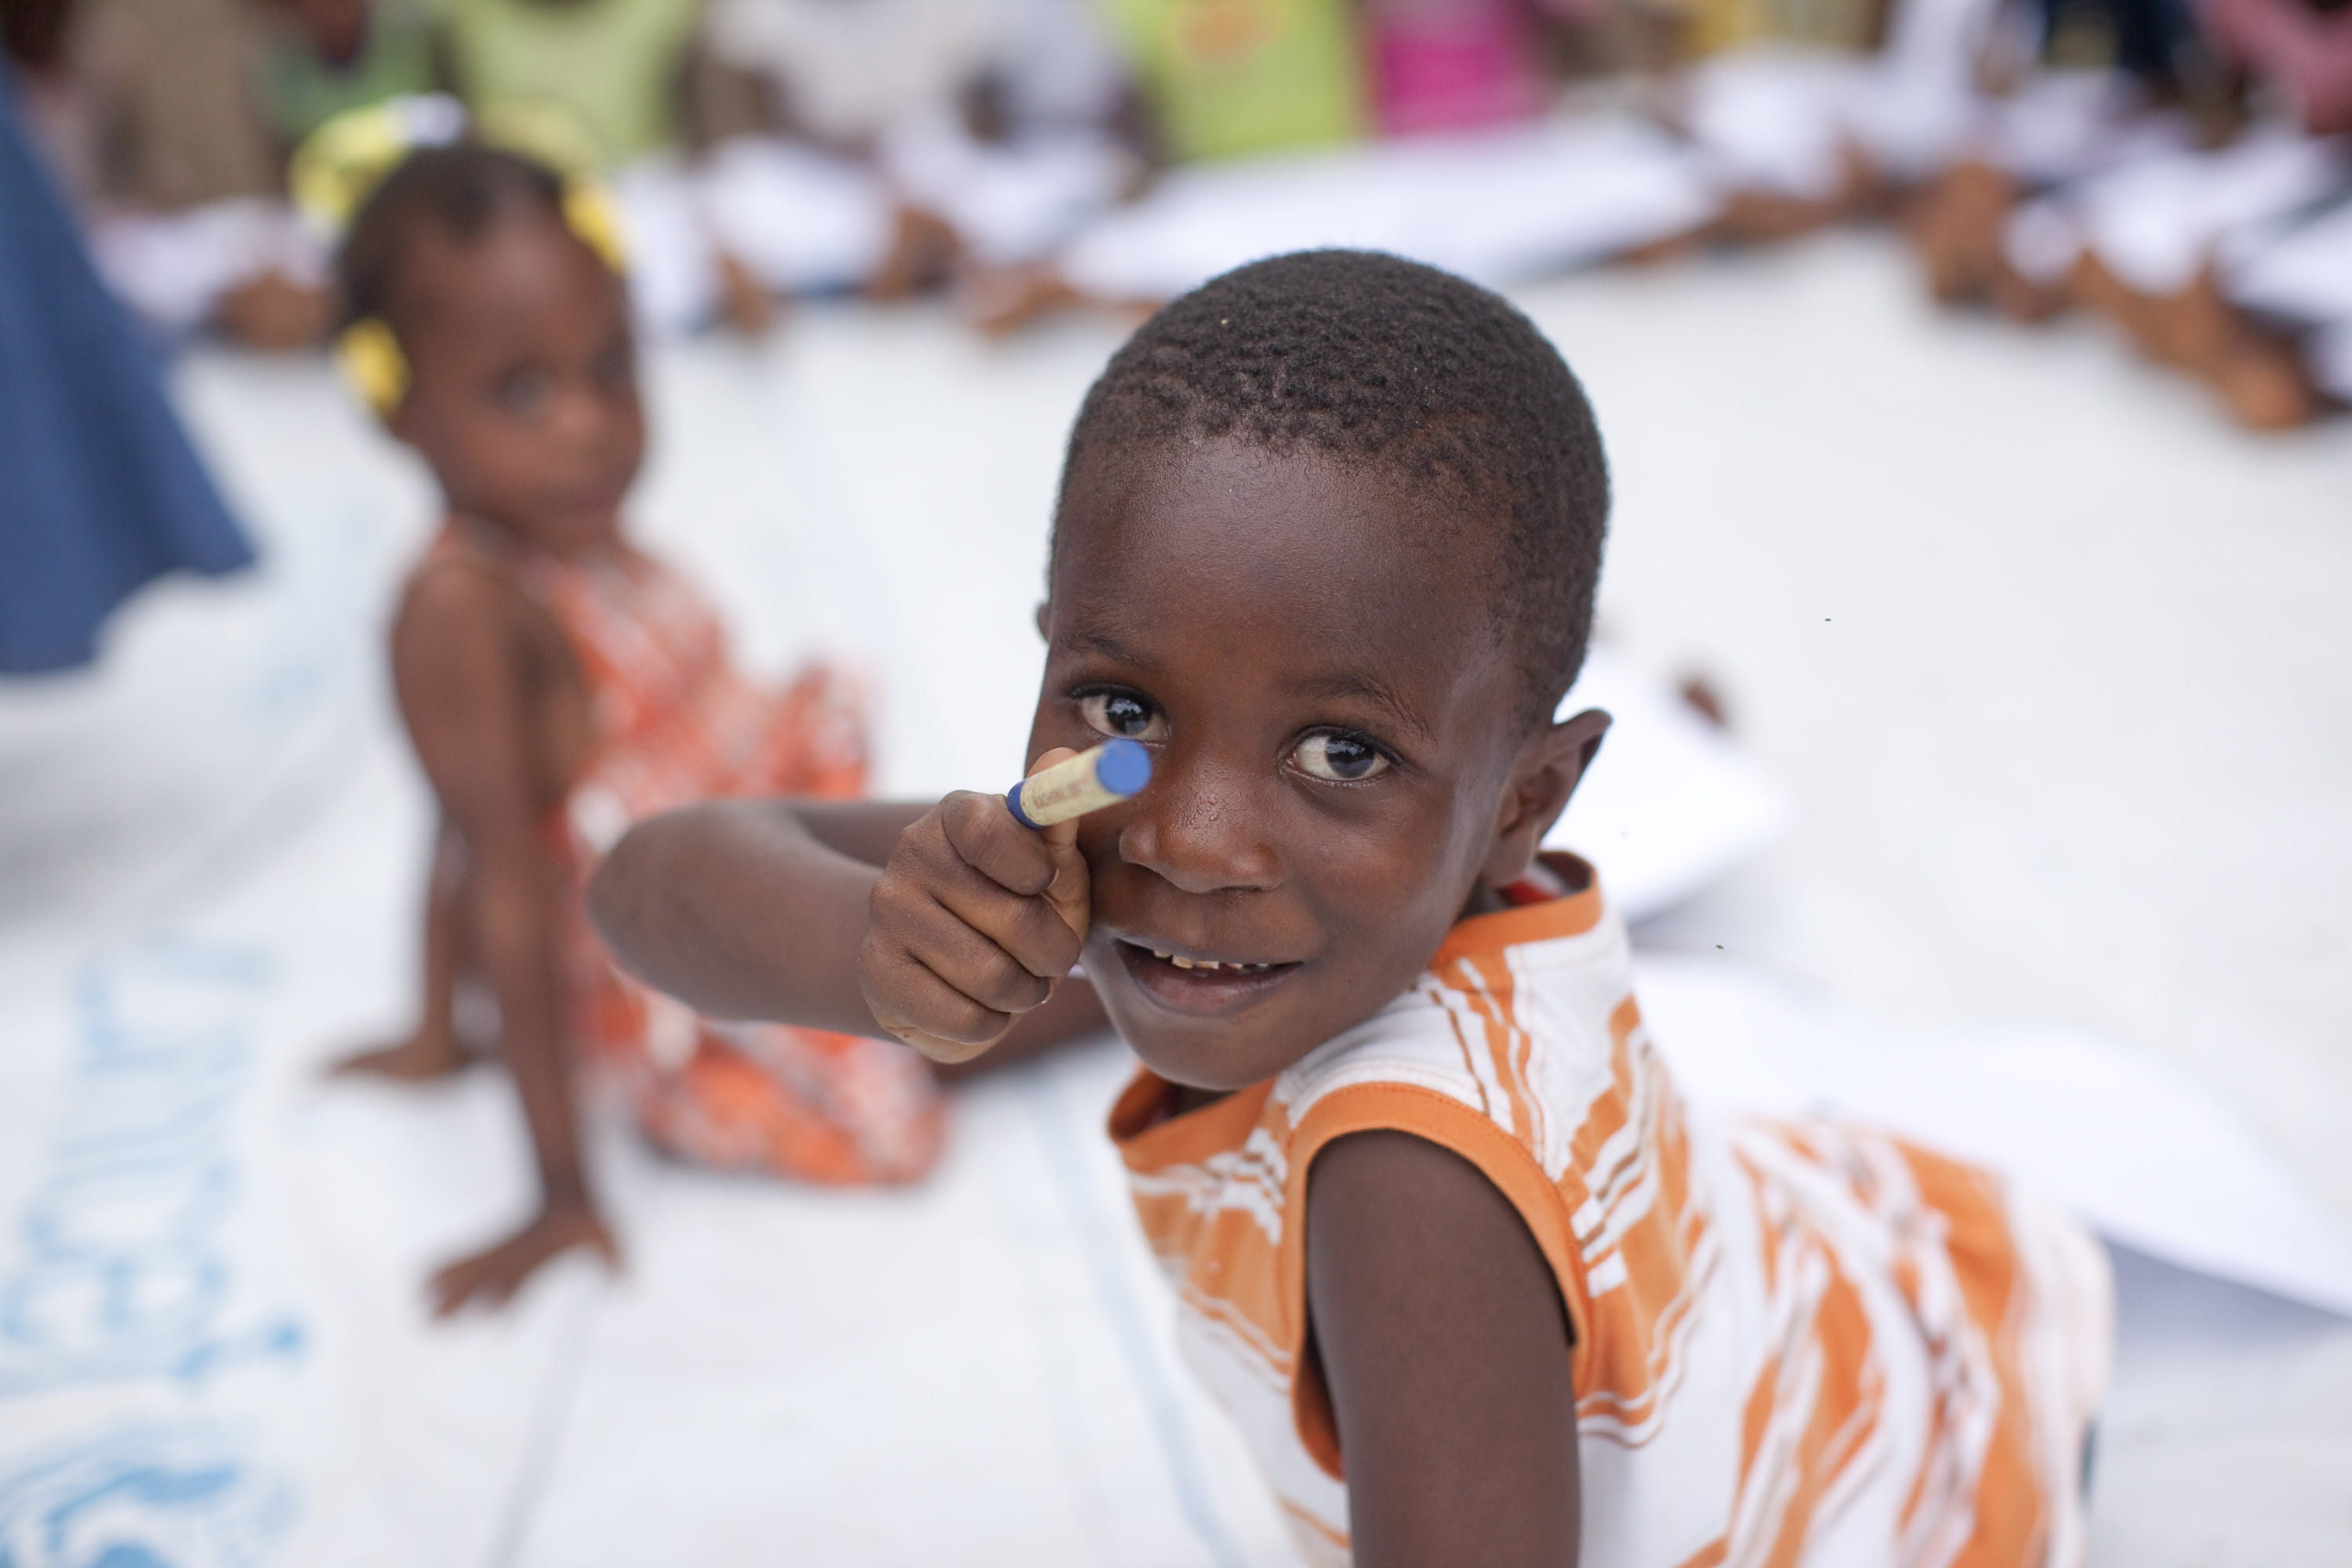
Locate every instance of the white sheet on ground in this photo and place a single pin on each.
(212, 1339)
(802, 220)
(1783, 120)
(212, 1335)
(1496, 206)
(2155, 220)
(1671, 803)
(2143, 1152)
(173, 268)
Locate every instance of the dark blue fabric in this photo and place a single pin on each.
(100, 490)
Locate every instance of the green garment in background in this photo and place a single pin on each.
(1227, 77)
(613, 66)
(301, 92)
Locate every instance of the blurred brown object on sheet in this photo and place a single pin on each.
(921, 257)
(276, 314)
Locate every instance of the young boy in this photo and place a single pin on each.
(1475, 1282)
(557, 684)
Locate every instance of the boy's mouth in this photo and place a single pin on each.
(1185, 984)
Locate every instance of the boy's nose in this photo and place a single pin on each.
(1197, 827)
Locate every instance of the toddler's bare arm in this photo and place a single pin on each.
(472, 717)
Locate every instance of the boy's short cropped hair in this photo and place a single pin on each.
(1371, 358)
(460, 190)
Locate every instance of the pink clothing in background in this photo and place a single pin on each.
(2307, 52)
(1452, 64)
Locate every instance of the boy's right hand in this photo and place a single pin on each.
(973, 920)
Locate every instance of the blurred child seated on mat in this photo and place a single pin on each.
(1477, 1283)
(559, 684)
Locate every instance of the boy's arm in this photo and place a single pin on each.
(1445, 1348)
(766, 910)
(463, 694)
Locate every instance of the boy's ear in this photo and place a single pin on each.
(1546, 774)
(1045, 618)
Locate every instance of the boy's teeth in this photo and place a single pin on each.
(1208, 963)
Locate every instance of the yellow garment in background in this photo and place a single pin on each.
(613, 66)
(1718, 27)
(1227, 77)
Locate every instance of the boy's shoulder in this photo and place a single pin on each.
(1517, 1019)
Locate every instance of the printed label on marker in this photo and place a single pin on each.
(1074, 786)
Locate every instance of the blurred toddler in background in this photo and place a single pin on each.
(559, 684)
(910, 143)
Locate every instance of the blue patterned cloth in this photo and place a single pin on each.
(100, 490)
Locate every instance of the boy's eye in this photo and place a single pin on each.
(1342, 758)
(1121, 713)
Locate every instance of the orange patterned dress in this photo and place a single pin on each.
(673, 723)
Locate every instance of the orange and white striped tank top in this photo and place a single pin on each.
(1795, 1343)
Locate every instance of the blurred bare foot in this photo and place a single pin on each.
(491, 1276)
(1672, 248)
(2195, 329)
(2095, 287)
(274, 314)
(1756, 216)
(745, 307)
(2021, 299)
(424, 1056)
(998, 301)
(923, 249)
(1762, 217)
(1957, 226)
(2264, 385)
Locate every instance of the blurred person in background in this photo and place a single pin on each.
(617, 67)
(100, 489)
(324, 57)
(559, 684)
(2282, 339)
(1421, 127)
(908, 145)
(2194, 197)
(1229, 78)
(604, 84)
(175, 172)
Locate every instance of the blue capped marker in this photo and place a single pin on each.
(1074, 786)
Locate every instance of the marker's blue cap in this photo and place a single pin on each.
(1124, 768)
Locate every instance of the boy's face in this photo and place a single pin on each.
(524, 390)
(1338, 768)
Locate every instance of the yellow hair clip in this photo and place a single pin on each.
(589, 212)
(370, 358)
(339, 164)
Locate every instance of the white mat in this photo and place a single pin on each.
(211, 1342)
(212, 1336)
